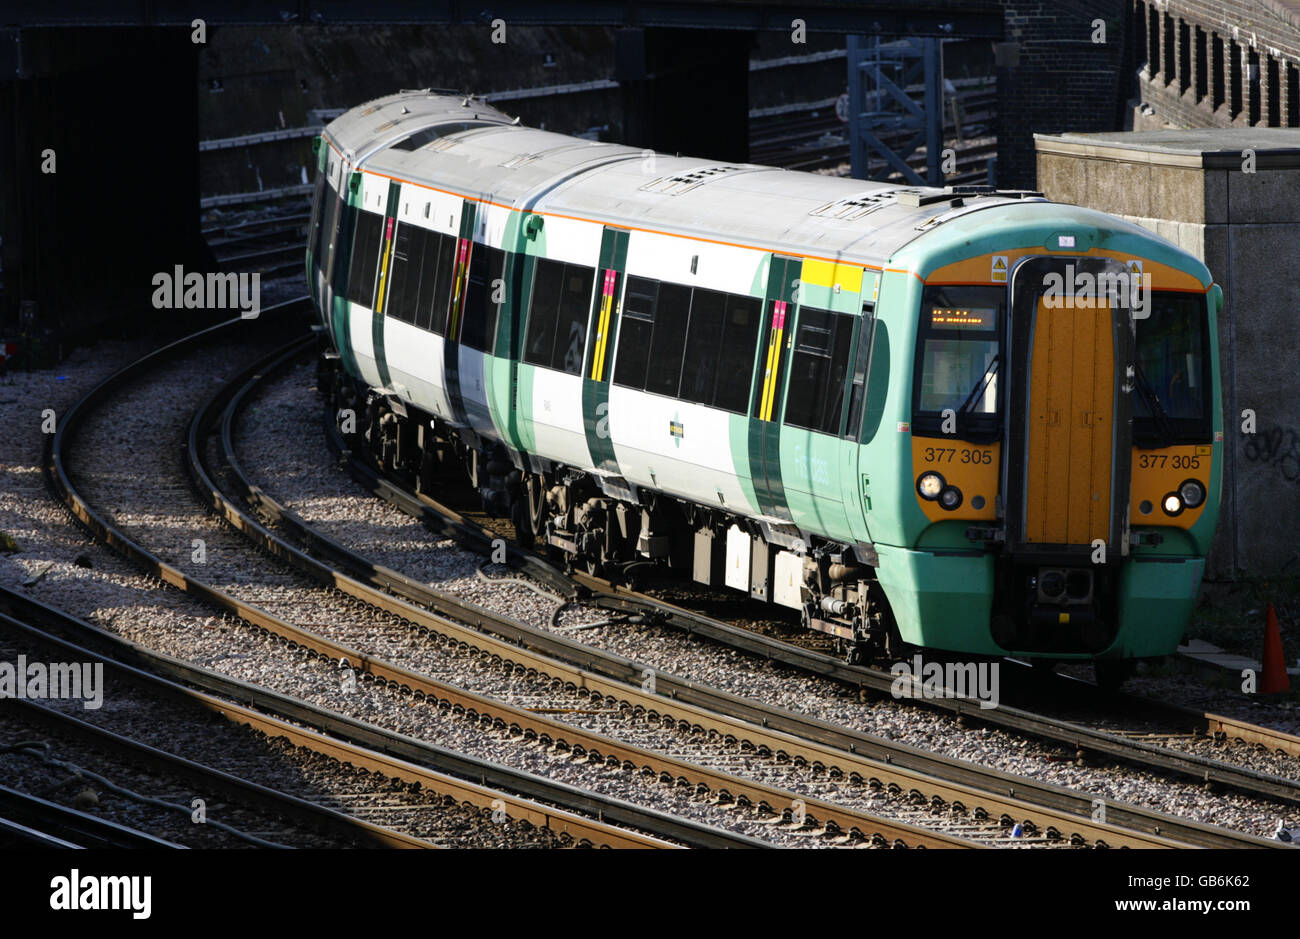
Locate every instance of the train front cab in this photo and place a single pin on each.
(1061, 507)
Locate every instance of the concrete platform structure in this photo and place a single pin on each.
(1232, 198)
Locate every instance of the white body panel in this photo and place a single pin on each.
(557, 416)
(738, 567)
(787, 578)
(415, 363)
(697, 465)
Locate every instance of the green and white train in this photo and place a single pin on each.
(864, 401)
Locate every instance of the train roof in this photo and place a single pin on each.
(452, 142)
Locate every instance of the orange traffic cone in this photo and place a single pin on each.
(1275, 678)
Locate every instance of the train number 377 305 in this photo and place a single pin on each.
(949, 455)
(1161, 460)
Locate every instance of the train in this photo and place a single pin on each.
(956, 418)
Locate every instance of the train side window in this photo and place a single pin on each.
(328, 234)
(318, 213)
(817, 370)
(668, 342)
(446, 252)
(572, 313)
(861, 363)
(421, 296)
(485, 267)
(634, 332)
(365, 258)
(736, 361)
(543, 311)
(471, 330)
(403, 274)
(347, 227)
(703, 343)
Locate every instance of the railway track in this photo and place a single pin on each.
(1028, 686)
(593, 748)
(329, 735)
(768, 730)
(681, 830)
(29, 820)
(244, 812)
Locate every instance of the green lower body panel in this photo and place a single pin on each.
(944, 601)
(941, 601)
(1155, 602)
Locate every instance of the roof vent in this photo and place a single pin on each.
(678, 183)
(854, 207)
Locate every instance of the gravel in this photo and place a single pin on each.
(307, 480)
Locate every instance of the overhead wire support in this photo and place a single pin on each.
(879, 74)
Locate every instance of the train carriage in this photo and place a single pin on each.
(959, 419)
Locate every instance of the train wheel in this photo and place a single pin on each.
(1110, 674)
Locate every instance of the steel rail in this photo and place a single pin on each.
(72, 826)
(525, 721)
(59, 481)
(338, 737)
(235, 787)
(612, 677)
(468, 533)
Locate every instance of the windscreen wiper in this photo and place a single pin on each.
(989, 371)
(1164, 427)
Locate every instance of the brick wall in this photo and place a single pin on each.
(1063, 82)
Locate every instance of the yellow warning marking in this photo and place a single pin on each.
(1204, 449)
(828, 274)
(383, 272)
(602, 339)
(1134, 266)
(999, 269)
(1062, 617)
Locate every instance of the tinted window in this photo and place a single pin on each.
(422, 305)
(703, 343)
(634, 332)
(445, 249)
(1170, 352)
(342, 245)
(694, 344)
(480, 311)
(958, 356)
(571, 322)
(471, 329)
(365, 258)
(543, 311)
(1171, 400)
(668, 340)
(404, 273)
(557, 317)
(858, 389)
(328, 235)
(322, 193)
(736, 362)
(817, 370)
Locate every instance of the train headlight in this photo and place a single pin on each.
(929, 485)
(1192, 493)
(950, 497)
(1173, 505)
(1051, 584)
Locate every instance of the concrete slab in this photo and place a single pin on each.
(1206, 653)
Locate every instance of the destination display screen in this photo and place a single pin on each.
(963, 317)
